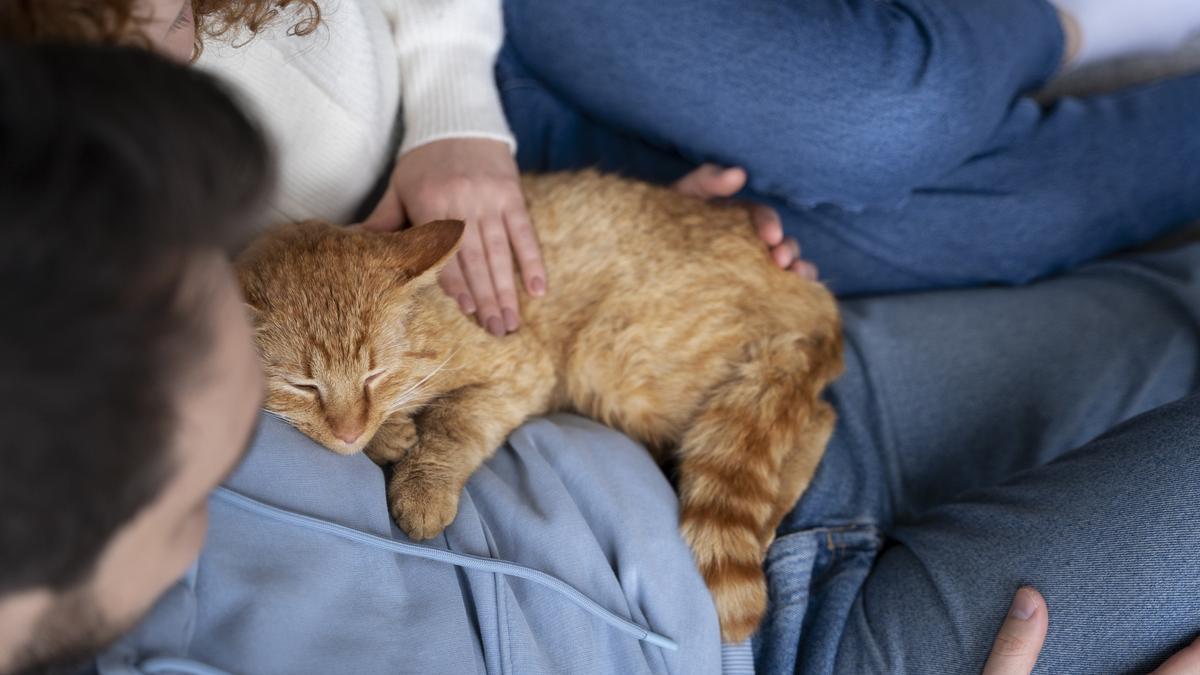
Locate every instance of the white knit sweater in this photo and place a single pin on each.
(331, 101)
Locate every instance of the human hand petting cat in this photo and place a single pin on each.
(477, 181)
(1023, 632)
(709, 181)
(474, 180)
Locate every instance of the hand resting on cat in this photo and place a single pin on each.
(363, 351)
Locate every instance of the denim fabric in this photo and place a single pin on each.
(893, 137)
(889, 563)
(1107, 533)
(843, 101)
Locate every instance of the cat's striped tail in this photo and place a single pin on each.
(751, 450)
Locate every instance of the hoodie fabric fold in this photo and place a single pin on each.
(564, 558)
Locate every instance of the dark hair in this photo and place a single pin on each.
(118, 169)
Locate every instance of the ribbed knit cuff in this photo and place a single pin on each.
(450, 92)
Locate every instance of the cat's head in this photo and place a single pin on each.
(331, 308)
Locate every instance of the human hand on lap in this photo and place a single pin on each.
(474, 180)
(1020, 640)
(710, 181)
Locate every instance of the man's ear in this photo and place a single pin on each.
(425, 249)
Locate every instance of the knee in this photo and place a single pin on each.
(821, 123)
(886, 141)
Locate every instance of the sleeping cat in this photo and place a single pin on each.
(664, 318)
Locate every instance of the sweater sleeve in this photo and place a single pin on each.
(447, 51)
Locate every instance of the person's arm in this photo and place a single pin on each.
(447, 51)
(456, 155)
(456, 160)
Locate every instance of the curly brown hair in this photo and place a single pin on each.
(120, 21)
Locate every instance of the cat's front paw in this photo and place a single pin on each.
(422, 505)
(393, 441)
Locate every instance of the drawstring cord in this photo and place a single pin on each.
(160, 665)
(170, 665)
(464, 560)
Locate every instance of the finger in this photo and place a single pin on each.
(692, 184)
(726, 182)
(767, 223)
(804, 269)
(500, 262)
(388, 213)
(708, 181)
(793, 247)
(1186, 662)
(479, 278)
(1021, 636)
(529, 253)
(786, 253)
(455, 286)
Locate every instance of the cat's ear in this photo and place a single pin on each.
(425, 249)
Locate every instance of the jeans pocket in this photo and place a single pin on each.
(789, 569)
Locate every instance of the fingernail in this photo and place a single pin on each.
(1024, 605)
(537, 286)
(495, 326)
(511, 320)
(465, 302)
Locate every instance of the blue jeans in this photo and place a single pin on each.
(953, 478)
(898, 144)
(894, 137)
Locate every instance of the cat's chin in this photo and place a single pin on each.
(343, 448)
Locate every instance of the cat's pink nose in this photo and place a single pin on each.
(348, 436)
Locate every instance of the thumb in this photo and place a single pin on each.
(1186, 662)
(388, 214)
(1020, 639)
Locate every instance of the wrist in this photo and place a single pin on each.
(500, 139)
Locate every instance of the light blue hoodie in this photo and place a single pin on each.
(304, 571)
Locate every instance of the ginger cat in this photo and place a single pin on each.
(664, 318)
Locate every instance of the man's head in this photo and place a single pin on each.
(174, 28)
(129, 384)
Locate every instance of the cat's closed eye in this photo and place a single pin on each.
(306, 388)
(374, 377)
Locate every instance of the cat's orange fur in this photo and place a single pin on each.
(665, 318)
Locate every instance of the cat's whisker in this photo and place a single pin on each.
(416, 399)
(425, 379)
(278, 415)
(412, 403)
(409, 393)
(418, 405)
